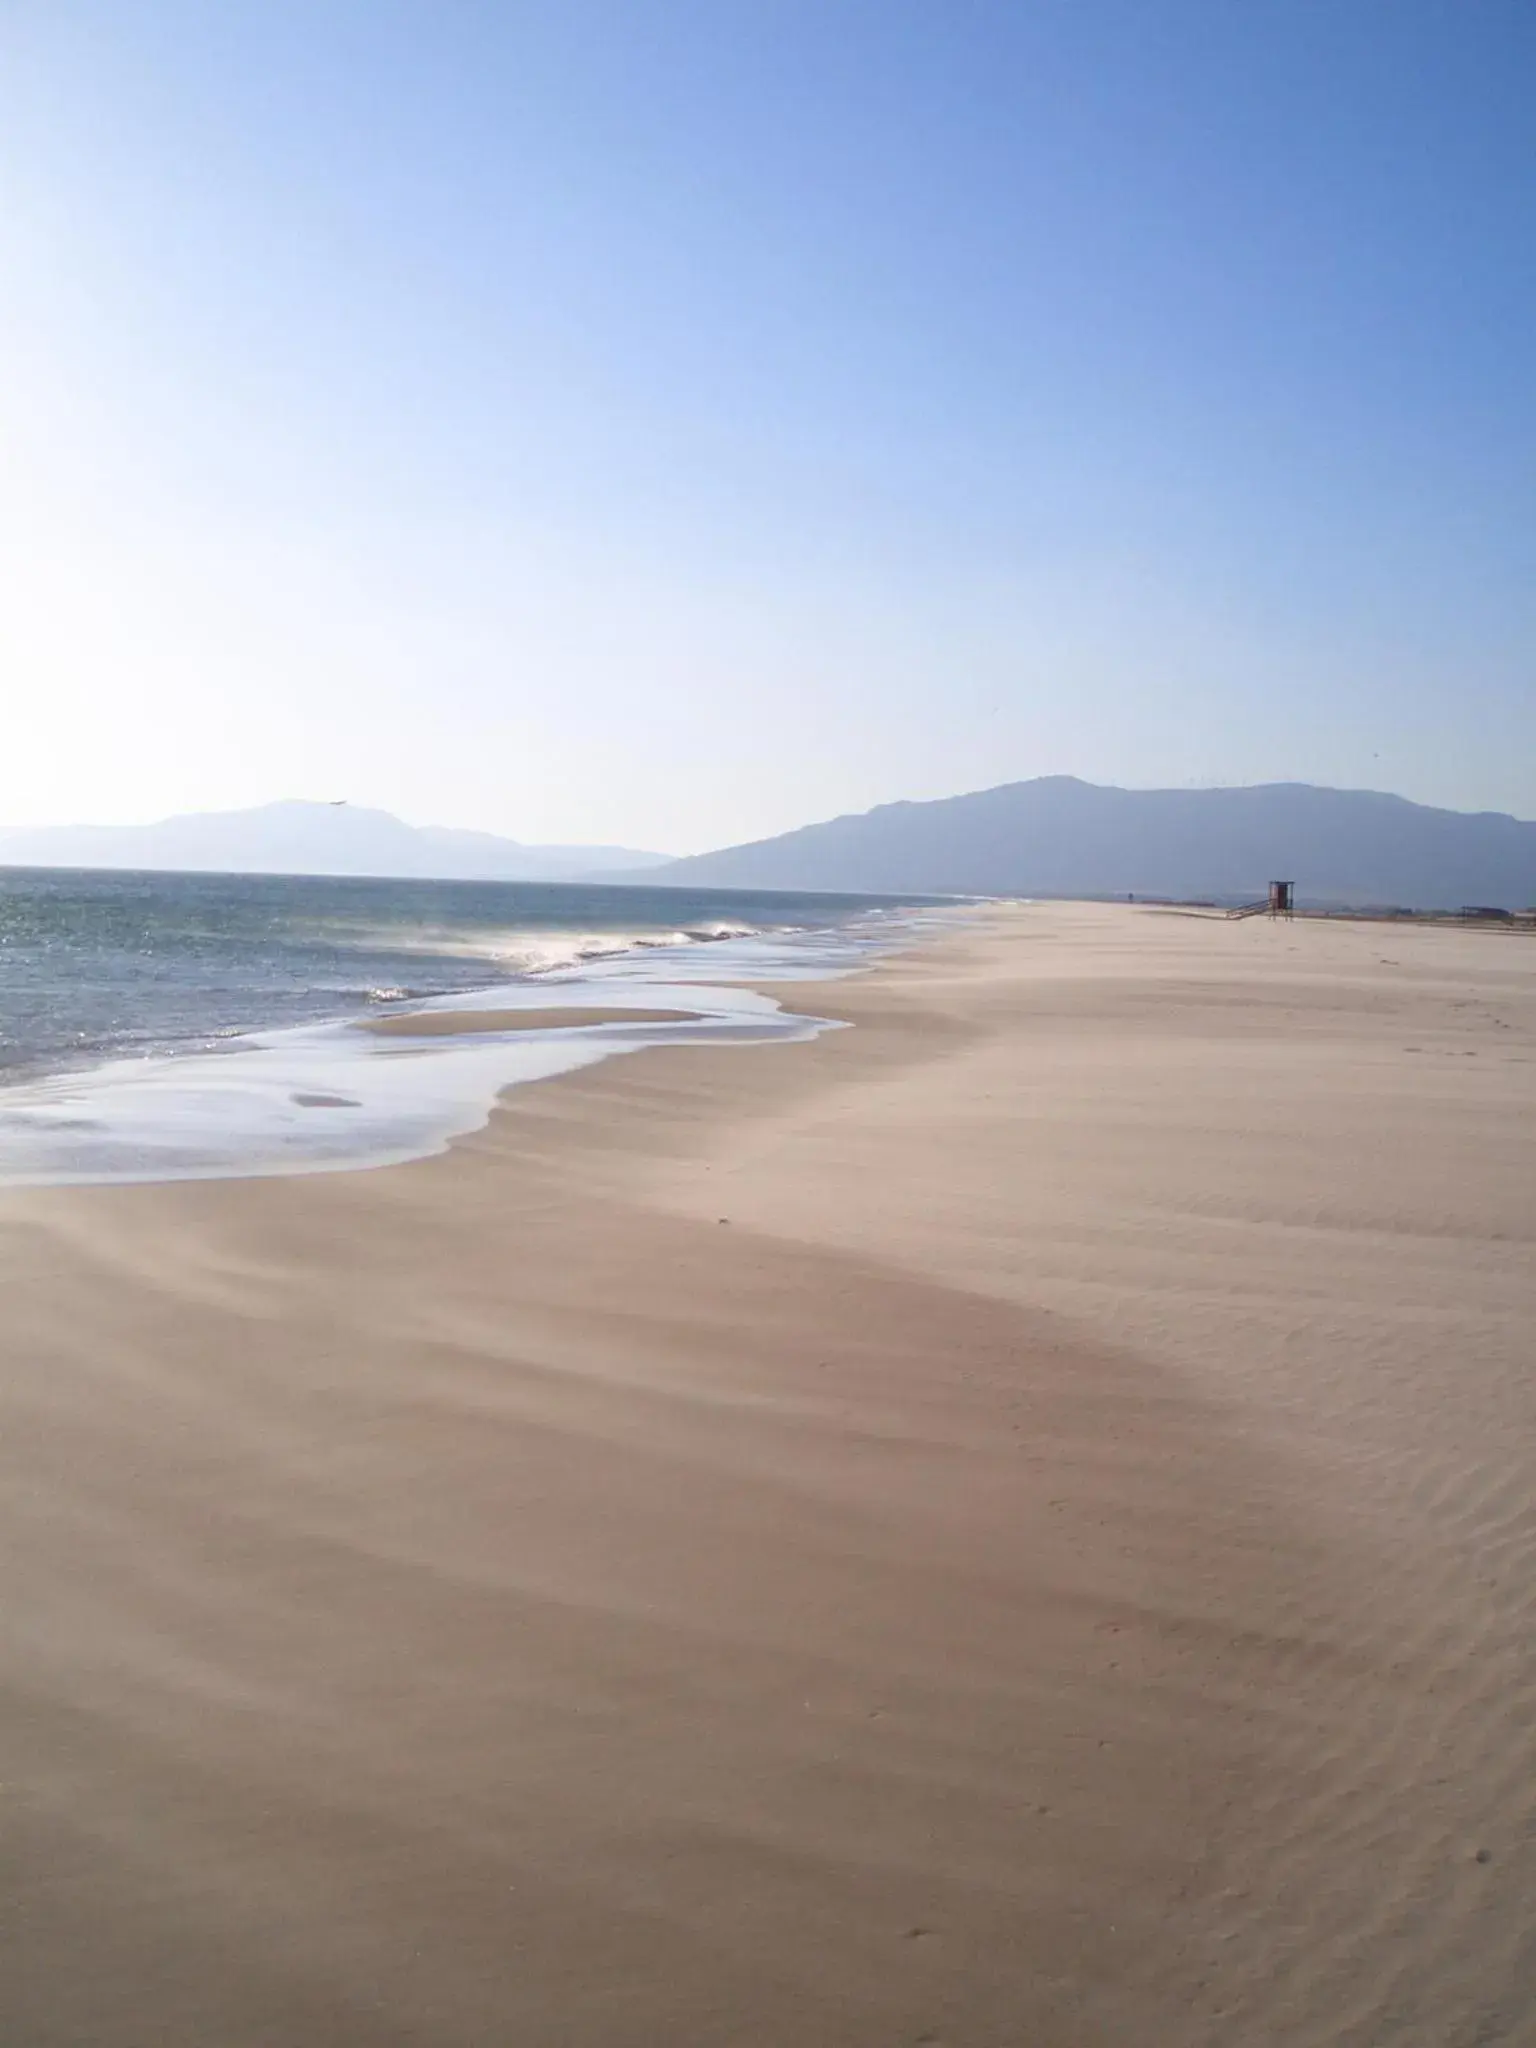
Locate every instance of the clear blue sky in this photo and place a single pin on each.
(671, 420)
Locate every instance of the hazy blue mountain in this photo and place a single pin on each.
(298, 838)
(1061, 837)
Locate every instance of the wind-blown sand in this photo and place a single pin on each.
(1009, 1525)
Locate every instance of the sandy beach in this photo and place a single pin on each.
(1010, 1525)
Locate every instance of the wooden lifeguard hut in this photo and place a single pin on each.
(1282, 899)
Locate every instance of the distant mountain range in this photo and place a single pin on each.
(1061, 837)
(299, 838)
(1052, 837)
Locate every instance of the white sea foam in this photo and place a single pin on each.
(330, 1096)
(521, 950)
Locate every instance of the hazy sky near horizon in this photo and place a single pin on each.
(668, 421)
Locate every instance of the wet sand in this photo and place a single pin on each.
(1008, 1525)
(459, 1023)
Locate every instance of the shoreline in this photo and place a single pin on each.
(329, 1096)
(103, 972)
(1009, 1522)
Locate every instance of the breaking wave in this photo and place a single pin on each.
(524, 952)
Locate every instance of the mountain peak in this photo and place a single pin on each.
(1060, 836)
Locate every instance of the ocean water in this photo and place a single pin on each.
(164, 1026)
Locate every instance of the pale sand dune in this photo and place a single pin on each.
(1055, 1568)
(458, 1023)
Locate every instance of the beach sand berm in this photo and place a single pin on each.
(450, 1023)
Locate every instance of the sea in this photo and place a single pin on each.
(169, 1026)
